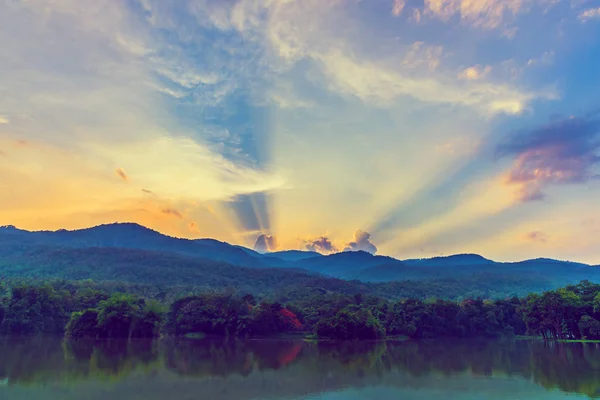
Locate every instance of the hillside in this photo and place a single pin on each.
(174, 275)
(134, 236)
(138, 255)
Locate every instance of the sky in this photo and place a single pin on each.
(409, 128)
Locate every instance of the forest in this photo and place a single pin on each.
(87, 310)
(166, 268)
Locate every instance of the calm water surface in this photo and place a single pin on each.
(193, 369)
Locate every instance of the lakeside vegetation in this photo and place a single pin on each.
(77, 310)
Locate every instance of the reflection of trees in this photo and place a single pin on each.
(302, 366)
(29, 360)
(226, 357)
(353, 358)
(44, 360)
(571, 367)
(206, 358)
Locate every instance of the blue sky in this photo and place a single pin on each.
(417, 128)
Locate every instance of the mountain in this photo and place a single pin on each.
(469, 266)
(453, 260)
(346, 265)
(134, 236)
(427, 268)
(170, 276)
(67, 254)
(294, 255)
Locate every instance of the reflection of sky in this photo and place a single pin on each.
(482, 389)
(308, 119)
(150, 388)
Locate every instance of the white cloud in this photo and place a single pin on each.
(398, 7)
(94, 90)
(179, 167)
(475, 72)
(545, 59)
(4, 120)
(382, 86)
(486, 14)
(420, 55)
(187, 77)
(416, 17)
(297, 31)
(590, 13)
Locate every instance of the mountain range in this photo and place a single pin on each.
(128, 251)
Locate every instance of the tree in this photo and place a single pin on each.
(350, 325)
(117, 315)
(83, 324)
(589, 328)
(35, 310)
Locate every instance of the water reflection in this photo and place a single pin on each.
(217, 369)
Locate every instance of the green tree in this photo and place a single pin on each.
(117, 315)
(350, 324)
(589, 328)
(83, 324)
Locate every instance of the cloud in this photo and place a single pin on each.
(172, 211)
(398, 7)
(296, 31)
(266, 243)
(193, 226)
(375, 84)
(4, 120)
(561, 152)
(416, 17)
(537, 236)
(475, 72)
(164, 163)
(545, 59)
(321, 244)
(121, 174)
(362, 242)
(420, 54)
(485, 14)
(150, 192)
(590, 13)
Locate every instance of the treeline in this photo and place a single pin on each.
(84, 312)
(572, 312)
(77, 311)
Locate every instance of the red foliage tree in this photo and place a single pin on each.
(291, 319)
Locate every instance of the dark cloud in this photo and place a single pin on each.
(560, 152)
(150, 192)
(266, 243)
(121, 174)
(321, 245)
(537, 236)
(362, 242)
(172, 211)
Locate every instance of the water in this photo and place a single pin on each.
(193, 369)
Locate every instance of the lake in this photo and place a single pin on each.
(188, 369)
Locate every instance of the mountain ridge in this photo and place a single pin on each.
(17, 247)
(133, 225)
